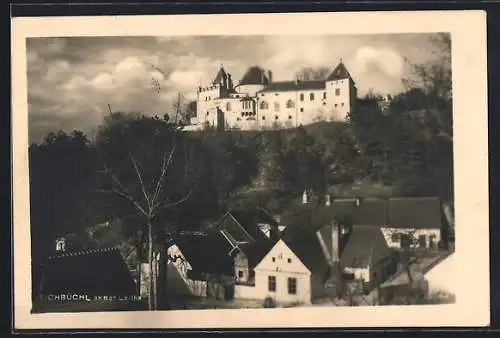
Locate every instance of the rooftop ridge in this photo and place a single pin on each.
(83, 252)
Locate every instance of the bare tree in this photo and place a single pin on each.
(312, 73)
(135, 146)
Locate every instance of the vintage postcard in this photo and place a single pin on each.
(251, 171)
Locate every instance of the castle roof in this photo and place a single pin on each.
(220, 77)
(284, 86)
(254, 76)
(339, 73)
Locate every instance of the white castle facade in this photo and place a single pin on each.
(257, 102)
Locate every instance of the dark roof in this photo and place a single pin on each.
(415, 212)
(221, 76)
(236, 220)
(255, 251)
(284, 86)
(98, 272)
(371, 212)
(339, 73)
(343, 208)
(308, 250)
(206, 252)
(303, 219)
(365, 247)
(254, 76)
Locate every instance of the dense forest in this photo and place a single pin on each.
(155, 178)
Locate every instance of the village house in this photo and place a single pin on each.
(438, 279)
(259, 102)
(420, 221)
(199, 265)
(367, 257)
(92, 273)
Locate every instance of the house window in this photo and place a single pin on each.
(289, 260)
(228, 106)
(276, 106)
(264, 105)
(292, 286)
(276, 94)
(290, 104)
(271, 283)
(395, 238)
(274, 259)
(263, 117)
(242, 114)
(337, 91)
(324, 96)
(240, 274)
(301, 109)
(311, 97)
(289, 117)
(336, 105)
(301, 97)
(324, 103)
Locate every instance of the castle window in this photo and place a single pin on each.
(301, 109)
(228, 106)
(274, 259)
(242, 114)
(336, 105)
(238, 119)
(264, 105)
(276, 106)
(290, 104)
(324, 96)
(240, 274)
(276, 117)
(276, 94)
(208, 113)
(342, 104)
(324, 103)
(311, 96)
(301, 97)
(289, 117)
(263, 117)
(337, 91)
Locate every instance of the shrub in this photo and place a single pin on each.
(269, 302)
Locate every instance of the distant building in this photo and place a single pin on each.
(258, 102)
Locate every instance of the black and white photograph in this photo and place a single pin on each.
(207, 172)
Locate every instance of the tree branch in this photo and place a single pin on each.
(165, 164)
(180, 201)
(126, 196)
(141, 181)
(121, 191)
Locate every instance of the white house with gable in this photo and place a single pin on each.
(282, 276)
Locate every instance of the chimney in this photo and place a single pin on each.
(266, 229)
(328, 200)
(270, 76)
(358, 201)
(305, 197)
(61, 244)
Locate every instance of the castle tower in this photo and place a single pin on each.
(341, 92)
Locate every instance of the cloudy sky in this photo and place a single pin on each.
(72, 80)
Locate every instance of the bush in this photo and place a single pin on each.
(269, 303)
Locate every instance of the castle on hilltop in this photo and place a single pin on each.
(257, 102)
